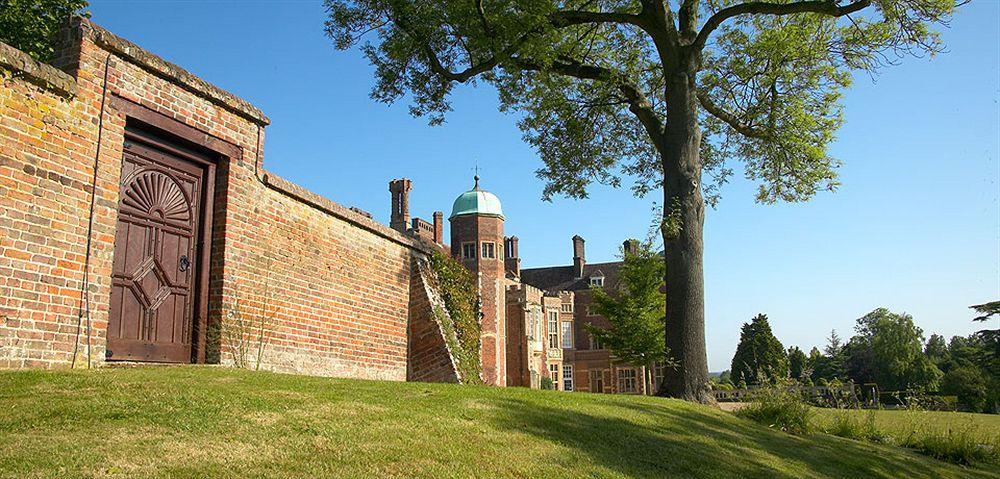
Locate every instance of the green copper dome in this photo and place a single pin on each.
(477, 202)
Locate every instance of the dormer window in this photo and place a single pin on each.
(597, 281)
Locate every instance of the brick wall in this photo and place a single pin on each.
(335, 284)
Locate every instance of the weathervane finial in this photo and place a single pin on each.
(476, 177)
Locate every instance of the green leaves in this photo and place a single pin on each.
(770, 74)
(31, 25)
(635, 311)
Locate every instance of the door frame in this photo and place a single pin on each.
(164, 129)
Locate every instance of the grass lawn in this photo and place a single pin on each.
(215, 422)
(899, 423)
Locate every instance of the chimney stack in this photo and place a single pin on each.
(399, 220)
(439, 227)
(579, 256)
(630, 246)
(512, 262)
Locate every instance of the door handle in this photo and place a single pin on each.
(184, 263)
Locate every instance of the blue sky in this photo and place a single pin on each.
(915, 226)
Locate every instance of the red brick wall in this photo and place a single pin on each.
(336, 283)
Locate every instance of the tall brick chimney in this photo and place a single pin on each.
(579, 256)
(512, 262)
(630, 246)
(399, 220)
(439, 227)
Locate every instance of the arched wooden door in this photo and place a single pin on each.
(155, 278)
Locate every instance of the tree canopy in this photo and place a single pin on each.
(655, 92)
(31, 25)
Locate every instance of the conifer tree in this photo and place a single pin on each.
(760, 357)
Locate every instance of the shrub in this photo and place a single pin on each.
(547, 384)
(780, 409)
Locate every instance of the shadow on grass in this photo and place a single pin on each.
(648, 440)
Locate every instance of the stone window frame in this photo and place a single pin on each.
(466, 252)
(554, 374)
(488, 250)
(554, 332)
(567, 307)
(567, 378)
(597, 281)
(566, 330)
(628, 382)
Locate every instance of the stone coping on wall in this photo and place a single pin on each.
(41, 74)
(329, 207)
(169, 71)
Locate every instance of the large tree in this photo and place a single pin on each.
(659, 91)
(634, 311)
(888, 350)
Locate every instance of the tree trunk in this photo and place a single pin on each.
(684, 215)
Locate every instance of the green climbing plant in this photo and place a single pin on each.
(461, 326)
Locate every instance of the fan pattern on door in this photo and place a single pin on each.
(158, 195)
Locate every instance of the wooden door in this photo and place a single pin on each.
(154, 278)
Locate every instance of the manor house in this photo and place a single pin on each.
(533, 319)
(138, 224)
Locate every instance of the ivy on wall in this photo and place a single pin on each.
(461, 325)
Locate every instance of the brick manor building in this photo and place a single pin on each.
(533, 319)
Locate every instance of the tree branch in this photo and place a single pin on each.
(567, 18)
(639, 105)
(729, 118)
(825, 7)
(558, 19)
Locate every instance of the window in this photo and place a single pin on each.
(597, 281)
(489, 250)
(554, 375)
(567, 377)
(468, 250)
(626, 381)
(597, 381)
(595, 343)
(567, 334)
(535, 331)
(567, 307)
(659, 370)
(553, 329)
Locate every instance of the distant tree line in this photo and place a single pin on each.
(887, 350)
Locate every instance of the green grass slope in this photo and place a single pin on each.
(214, 422)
